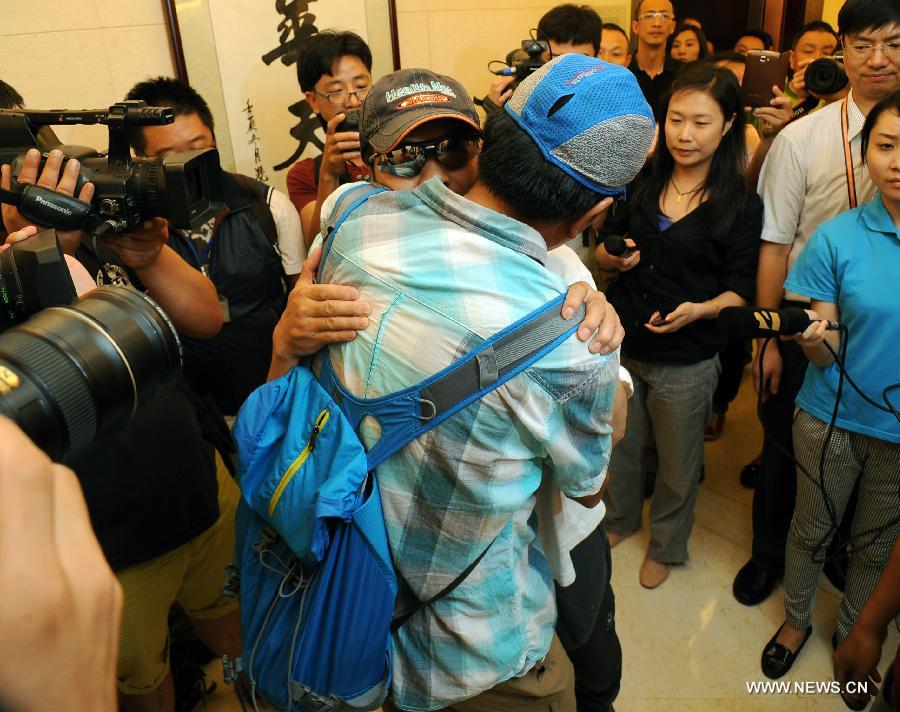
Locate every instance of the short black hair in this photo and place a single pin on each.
(167, 91)
(726, 55)
(860, 15)
(814, 26)
(890, 103)
(571, 24)
(513, 169)
(613, 27)
(323, 50)
(9, 97)
(761, 35)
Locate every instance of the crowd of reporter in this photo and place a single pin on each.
(731, 208)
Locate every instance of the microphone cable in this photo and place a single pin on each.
(840, 361)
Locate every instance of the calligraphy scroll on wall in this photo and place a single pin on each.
(257, 45)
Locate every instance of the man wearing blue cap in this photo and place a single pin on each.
(441, 273)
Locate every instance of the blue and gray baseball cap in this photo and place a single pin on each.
(589, 118)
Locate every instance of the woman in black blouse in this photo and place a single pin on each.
(695, 224)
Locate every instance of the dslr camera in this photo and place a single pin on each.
(72, 371)
(826, 76)
(186, 188)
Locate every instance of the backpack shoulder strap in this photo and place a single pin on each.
(259, 195)
(351, 199)
(503, 356)
(412, 412)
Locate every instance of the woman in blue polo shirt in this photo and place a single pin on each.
(850, 271)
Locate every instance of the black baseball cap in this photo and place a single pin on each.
(404, 100)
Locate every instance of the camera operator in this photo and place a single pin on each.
(566, 28)
(806, 179)
(161, 508)
(60, 604)
(248, 251)
(335, 74)
(815, 40)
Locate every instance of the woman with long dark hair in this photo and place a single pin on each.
(687, 44)
(695, 225)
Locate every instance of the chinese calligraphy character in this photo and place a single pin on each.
(253, 140)
(296, 27)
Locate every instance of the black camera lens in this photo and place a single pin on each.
(825, 76)
(73, 372)
(33, 276)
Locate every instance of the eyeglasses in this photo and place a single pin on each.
(664, 16)
(408, 160)
(890, 50)
(343, 96)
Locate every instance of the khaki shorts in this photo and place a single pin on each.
(192, 575)
(548, 687)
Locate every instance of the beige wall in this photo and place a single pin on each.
(459, 37)
(81, 54)
(830, 11)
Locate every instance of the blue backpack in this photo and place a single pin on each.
(317, 583)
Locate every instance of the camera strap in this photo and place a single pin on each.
(848, 155)
(47, 207)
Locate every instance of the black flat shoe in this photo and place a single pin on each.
(777, 659)
(749, 474)
(753, 584)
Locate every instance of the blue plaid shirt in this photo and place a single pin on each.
(441, 274)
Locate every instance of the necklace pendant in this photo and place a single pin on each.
(678, 198)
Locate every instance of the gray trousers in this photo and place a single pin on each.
(850, 457)
(676, 401)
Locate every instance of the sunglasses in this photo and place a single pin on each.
(408, 160)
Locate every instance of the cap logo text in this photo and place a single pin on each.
(416, 99)
(584, 75)
(417, 87)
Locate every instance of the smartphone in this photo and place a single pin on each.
(765, 69)
(350, 122)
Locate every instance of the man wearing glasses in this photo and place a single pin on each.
(335, 73)
(654, 21)
(813, 172)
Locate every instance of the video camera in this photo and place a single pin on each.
(71, 371)
(185, 188)
(527, 61)
(520, 63)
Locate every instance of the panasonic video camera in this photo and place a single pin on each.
(185, 188)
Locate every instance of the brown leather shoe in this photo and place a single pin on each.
(653, 573)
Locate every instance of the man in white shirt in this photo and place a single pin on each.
(813, 172)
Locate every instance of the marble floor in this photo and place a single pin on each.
(688, 645)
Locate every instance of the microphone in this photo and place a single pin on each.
(758, 323)
(615, 245)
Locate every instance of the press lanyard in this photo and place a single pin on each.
(848, 155)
